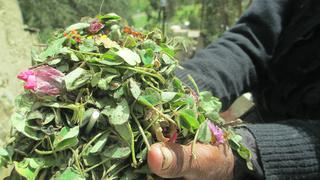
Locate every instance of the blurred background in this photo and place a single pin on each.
(26, 25)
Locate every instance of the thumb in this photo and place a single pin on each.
(169, 160)
(175, 160)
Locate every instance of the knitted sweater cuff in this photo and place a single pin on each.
(289, 149)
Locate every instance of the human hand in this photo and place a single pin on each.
(169, 160)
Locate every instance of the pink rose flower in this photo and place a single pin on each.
(43, 80)
(217, 132)
(95, 26)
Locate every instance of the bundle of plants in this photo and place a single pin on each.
(96, 99)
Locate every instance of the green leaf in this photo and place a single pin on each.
(132, 58)
(150, 98)
(104, 83)
(49, 117)
(119, 114)
(77, 78)
(130, 42)
(24, 103)
(168, 96)
(110, 58)
(117, 152)
(53, 48)
(109, 16)
(18, 121)
(96, 78)
(28, 168)
(77, 26)
(176, 85)
(73, 56)
(211, 105)
(189, 118)
(6, 155)
(66, 138)
(69, 174)
(147, 56)
(134, 88)
(168, 50)
(99, 144)
(205, 134)
(88, 46)
(35, 115)
(125, 132)
(149, 44)
(245, 153)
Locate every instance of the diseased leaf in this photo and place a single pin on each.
(134, 88)
(132, 58)
(119, 114)
(167, 60)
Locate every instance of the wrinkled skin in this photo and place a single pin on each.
(170, 160)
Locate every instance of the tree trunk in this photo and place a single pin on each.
(224, 14)
(239, 7)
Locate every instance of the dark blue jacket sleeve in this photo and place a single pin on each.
(238, 60)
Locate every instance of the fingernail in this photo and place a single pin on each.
(167, 157)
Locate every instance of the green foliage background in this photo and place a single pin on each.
(211, 17)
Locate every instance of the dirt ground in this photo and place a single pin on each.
(15, 55)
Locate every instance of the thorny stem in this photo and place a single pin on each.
(140, 128)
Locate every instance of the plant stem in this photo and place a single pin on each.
(43, 152)
(150, 84)
(94, 166)
(158, 76)
(194, 144)
(88, 53)
(140, 128)
(163, 115)
(194, 84)
(51, 146)
(133, 153)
